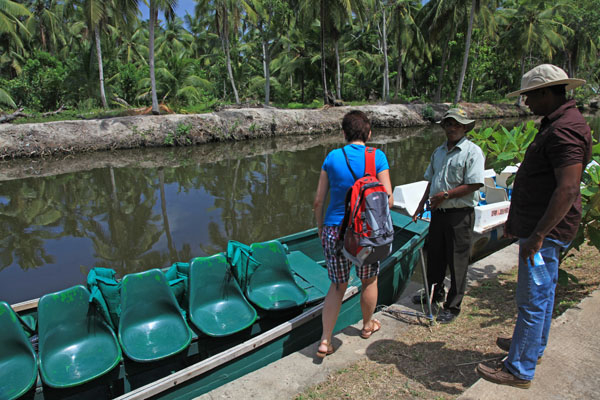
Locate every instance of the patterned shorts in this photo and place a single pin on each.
(338, 267)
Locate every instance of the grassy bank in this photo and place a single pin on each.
(438, 362)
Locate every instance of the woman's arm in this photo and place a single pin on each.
(322, 188)
(384, 178)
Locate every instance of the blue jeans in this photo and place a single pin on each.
(535, 304)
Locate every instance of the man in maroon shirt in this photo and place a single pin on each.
(545, 213)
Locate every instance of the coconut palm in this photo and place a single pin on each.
(440, 20)
(270, 18)
(410, 43)
(44, 24)
(333, 16)
(225, 18)
(478, 7)
(168, 9)
(535, 28)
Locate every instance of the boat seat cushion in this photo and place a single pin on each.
(217, 306)
(18, 362)
(105, 293)
(76, 344)
(178, 276)
(272, 286)
(151, 325)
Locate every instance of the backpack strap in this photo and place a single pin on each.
(370, 168)
(348, 164)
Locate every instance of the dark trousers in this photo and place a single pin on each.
(449, 246)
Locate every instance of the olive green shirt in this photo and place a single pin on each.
(463, 165)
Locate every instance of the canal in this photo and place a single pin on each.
(189, 202)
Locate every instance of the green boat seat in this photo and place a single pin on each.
(272, 285)
(217, 305)
(76, 344)
(18, 362)
(151, 326)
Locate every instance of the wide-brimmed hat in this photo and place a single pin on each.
(546, 75)
(460, 116)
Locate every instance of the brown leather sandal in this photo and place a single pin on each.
(330, 350)
(375, 326)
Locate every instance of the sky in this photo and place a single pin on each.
(180, 10)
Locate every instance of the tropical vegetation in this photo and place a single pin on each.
(86, 54)
(504, 147)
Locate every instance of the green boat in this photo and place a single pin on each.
(242, 310)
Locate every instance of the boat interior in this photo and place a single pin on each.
(161, 320)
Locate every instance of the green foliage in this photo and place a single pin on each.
(589, 229)
(180, 136)
(425, 47)
(126, 84)
(41, 86)
(503, 147)
(428, 114)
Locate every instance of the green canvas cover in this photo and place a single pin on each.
(76, 344)
(272, 285)
(242, 263)
(217, 305)
(105, 293)
(151, 325)
(18, 362)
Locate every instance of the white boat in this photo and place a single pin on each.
(490, 215)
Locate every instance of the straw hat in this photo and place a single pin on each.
(460, 116)
(543, 76)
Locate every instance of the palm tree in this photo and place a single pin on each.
(489, 22)
(9, 13)
(409, 39)
(534, 27)
(475, 4)
(168, 8)
(269, 18)
(226, 15)
(440, 19)
(44, 23)
(332, 18)
(97, 14)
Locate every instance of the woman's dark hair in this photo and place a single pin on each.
(356, 126)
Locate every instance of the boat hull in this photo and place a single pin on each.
(211, 362)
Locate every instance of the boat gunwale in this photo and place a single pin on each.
(417, 237)
(194, 370)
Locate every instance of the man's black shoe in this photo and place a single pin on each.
(504, 344)
(445, 317)
(421, 298)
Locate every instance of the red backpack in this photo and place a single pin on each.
(367, 230)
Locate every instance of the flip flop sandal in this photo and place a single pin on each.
(330, 350)
(375, 326)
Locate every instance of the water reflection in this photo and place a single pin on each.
(168, 205)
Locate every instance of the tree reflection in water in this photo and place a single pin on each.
(132, 219)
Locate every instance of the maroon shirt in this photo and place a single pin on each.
(564, 139)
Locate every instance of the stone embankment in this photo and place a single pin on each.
(67, 137)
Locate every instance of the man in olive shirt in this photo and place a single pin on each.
(545, 213)
(455, 173)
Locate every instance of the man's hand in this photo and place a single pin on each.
(436, 200)
(418, 212)
(530, 246)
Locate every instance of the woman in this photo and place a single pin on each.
(336, 175)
